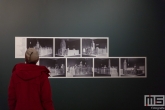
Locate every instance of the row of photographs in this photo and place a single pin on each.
(63, 46)
(111, 67)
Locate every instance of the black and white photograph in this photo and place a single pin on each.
(79, 67)
(44, 46)
(132, 67)
(67, 47)
(106, 67)
(56, 66)
(95, 47)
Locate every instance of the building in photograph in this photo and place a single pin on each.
(94, 48)
(132, 67)
(106, 67)
(79, 67)
(57, 70)
(67, 47)
(57, 67)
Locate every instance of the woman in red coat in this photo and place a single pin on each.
(29, 87)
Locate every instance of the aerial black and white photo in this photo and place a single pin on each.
(67, 47)
(56, 66)
(132, 67)
(79, 67)
(106, 67)
(95, 47)
(44, 46)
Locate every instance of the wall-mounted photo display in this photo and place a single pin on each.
(107, 67)
(133, 67)
(63, 46)
(67, 47)
(79, 67)
(56, 66)
(95, 47)
(81, 57)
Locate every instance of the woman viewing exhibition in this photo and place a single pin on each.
(29, 87)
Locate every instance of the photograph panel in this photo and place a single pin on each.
(79, 67)
(44, 46)
(67, 47)
(108, 67)
(95, 47)
(20, 47)
(56, 66)
(132, 67)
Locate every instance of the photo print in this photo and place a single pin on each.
(95, 47)
(56, 66)
(79, 67)
(106, 67)
(132, 67)
(44, 46)
(20, 47)
(67, 47)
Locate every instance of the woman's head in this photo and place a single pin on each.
(31, 56)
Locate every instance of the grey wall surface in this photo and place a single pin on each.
(135, 28)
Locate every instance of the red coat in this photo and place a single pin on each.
(29, 88)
